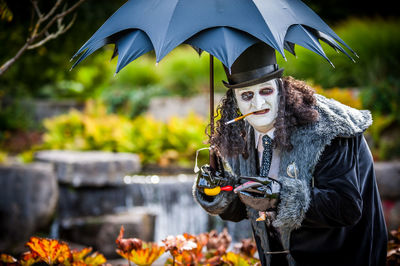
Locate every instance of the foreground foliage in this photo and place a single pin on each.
(138, 251)
(53, 252)
(205, 249)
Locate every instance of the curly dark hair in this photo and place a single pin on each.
(296, 108)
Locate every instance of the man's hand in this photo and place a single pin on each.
(260, 193)
(212, 183)
(213, 189)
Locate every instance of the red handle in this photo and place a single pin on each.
(227, 188)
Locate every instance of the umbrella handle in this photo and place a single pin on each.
(212, 157)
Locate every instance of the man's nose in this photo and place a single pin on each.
(258, 101)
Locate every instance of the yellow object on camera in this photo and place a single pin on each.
(212, 191)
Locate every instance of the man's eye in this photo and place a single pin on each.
(266, 91)
(247, 96)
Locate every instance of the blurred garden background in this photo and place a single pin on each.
(43, 75)
(45, 106)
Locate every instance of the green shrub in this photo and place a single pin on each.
(15, 116)
(128, 101)
(139, 73)
(156, 142)
(383, 98)
(63, 89)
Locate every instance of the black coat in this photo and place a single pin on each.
(344, 224)
(330, 213)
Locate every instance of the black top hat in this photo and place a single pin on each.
(255, 65)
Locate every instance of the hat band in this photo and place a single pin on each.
(252, 74)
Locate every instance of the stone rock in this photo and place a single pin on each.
(100, 232)
(87, 201)
(388, 179)
(43, 109)
(90, 168)
(163, 108)
(28, 201)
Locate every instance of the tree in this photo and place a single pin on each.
(42, 30)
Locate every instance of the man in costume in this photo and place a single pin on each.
(301, 168)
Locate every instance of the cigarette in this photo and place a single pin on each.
(239, 118)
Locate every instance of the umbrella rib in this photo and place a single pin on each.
(159, 55)
(273, 43)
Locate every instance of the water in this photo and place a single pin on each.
(168, 197)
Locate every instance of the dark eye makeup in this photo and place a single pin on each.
(266, 91)
(248, 95)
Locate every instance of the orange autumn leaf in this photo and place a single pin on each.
(78, 263)
(137, 251)
(235, 259)
(28, 259)
(95, 259)
(79, 255)
(146, 255)
(49, 250)
(81, 258)
(4, 258)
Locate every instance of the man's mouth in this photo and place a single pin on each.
(261, 112)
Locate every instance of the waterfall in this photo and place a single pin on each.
(170, 199)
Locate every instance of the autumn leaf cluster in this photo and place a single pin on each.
(203, 249)
(53, 252)
(137, 251)
(186, 249)
(209, 249)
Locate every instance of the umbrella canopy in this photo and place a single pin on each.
(224, 28)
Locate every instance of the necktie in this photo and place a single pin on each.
(266, 156)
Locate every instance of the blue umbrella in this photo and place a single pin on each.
(211, 25)
(223, 28)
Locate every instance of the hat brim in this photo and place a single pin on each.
(273, 75)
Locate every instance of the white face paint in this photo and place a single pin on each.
(262, 97)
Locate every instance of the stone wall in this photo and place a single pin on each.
(28, 201)
(163, 108)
